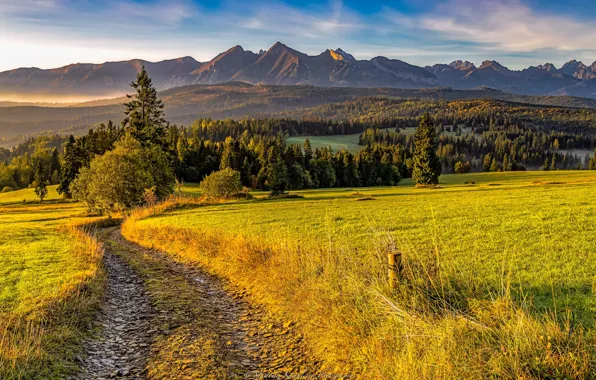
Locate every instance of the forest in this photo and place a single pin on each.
(472, 136)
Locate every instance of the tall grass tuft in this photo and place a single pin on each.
(432, 325)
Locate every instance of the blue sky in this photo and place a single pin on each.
(517, 33)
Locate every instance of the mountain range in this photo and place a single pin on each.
(282, 65)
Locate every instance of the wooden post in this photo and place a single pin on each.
(394, 261)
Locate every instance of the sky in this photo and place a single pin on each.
(517, 33)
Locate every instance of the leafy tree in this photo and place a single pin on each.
(427, 166)
(144, 113)
(41, 184)
(462, 167)
(223, 183)
(119, 179)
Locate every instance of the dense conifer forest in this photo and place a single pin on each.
(472, 135)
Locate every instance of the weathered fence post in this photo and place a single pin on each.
(394, 261)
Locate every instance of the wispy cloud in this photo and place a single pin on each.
(12, 6)
(163, 11)
(507, 25)
(282, 19)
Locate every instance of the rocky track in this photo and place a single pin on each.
(210, 330)
(122, 346)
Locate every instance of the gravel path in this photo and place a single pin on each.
(133, 343)
(122, 347)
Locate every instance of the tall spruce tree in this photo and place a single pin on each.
(144, 113)
(70, 168)
(41, 184)
(427, 166)
(55, 168)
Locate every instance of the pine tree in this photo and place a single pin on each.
(507, 165)
(41, 189)
(55, 168)
(494, 166)
(277, 173)
(70, 168)
(144, 113)
(427, 166)
(488, 159)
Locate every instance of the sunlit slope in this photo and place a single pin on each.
(498, 270)
(48, 273)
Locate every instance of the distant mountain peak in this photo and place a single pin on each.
(340, 55)
(462, 65)
(346, 56)
(547, 67)
(236, 48)
(574, 64)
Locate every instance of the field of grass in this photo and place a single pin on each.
(498, 275)
(49, 284)
(349, 142)
(336, 142)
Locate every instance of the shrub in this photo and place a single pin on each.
(462, 167)
(222, 184)
(7, 189)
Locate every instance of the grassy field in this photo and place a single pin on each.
(336, 142)
(498, 275)
(349, 142)
(49, 283)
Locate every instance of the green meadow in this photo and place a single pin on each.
(44, 262)
(336, 142)
(499, 267)
(536, 228)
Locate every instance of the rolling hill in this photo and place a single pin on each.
(233, 100)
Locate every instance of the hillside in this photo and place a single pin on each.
(232, 100)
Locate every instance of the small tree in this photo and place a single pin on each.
(462, 167)
(494, 166)
(41, 185)
(223, 183)
(488, 159)
(118, 180)
(427, 166)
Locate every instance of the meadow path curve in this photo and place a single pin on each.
(201, 330)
